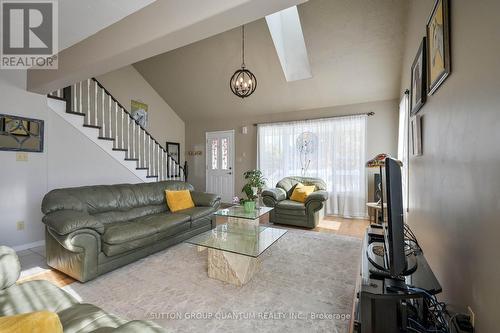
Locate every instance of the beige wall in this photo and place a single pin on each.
(455, 185)
(69, 158)
(164, 124)
(381, 137)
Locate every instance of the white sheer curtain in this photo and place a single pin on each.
(337, 156)
(403, 147)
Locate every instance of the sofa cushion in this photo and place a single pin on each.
(290, 204)
(122, 232)
(289, 207)
(198, 212)
(34, 296)
(84, 318)
(201, 222)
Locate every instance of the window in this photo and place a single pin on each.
(331, 149)
(215, 153)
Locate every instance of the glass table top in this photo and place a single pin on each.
(244, 240)
(239, 212)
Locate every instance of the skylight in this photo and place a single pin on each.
(288, 40)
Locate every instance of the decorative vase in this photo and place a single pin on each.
(249, 206)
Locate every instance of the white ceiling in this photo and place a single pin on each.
(355, 50)
(79, 19)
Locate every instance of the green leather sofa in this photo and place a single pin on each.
(295, 213)
(31, 296)
(92, 230)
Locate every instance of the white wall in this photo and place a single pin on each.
(164, 124)
(69, 159)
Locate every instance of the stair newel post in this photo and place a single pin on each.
(68, 98)
(186, 171)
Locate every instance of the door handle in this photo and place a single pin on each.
(229, 173)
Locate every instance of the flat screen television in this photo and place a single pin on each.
(394, 227)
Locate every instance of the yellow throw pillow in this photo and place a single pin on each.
(34, 322)
(179, 200)
(301, 192)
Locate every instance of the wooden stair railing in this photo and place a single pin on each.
(102, 111)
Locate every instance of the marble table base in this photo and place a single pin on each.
(230, 267)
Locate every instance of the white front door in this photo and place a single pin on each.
(220, 164)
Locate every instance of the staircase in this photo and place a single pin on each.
(118, 131)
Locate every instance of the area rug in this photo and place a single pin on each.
(306, 284)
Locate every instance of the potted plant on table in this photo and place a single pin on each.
(252, 189)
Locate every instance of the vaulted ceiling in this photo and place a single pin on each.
(80, 19)
(355, 50)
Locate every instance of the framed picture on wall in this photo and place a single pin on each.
(418, 78)
(416, 135)
(174, 150)
(139, 112)
(438, 50)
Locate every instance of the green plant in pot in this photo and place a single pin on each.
(252, 189)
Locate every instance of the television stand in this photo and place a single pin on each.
(381, 303)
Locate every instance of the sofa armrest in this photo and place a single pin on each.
(64, 222)
(320, 196)
(277, 194)
(205, 199)
(139, 326)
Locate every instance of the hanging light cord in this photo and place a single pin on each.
(243, 46)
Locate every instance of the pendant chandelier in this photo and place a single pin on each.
(243, 83)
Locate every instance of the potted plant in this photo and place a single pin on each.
(252, 189)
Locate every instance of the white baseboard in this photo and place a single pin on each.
(28, 246)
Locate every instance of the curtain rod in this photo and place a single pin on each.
(371, 113)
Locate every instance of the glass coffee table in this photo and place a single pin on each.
(235, 248)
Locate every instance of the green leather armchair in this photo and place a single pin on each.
(24, 297)
(286, 211)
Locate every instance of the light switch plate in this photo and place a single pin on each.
(22, 157)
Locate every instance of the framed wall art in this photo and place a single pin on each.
(438, 50)
(21, 134)
(418, 78)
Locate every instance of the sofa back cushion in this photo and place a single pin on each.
(113, 202)
(288, 184)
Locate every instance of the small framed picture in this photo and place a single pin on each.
(416, 135)
(418, 78)
(438, 50)
(174, 150)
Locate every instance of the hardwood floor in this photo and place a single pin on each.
(51, 275)
(330, 224)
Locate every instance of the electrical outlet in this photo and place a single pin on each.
(22, 157)
(20, 225)
(471, 315)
